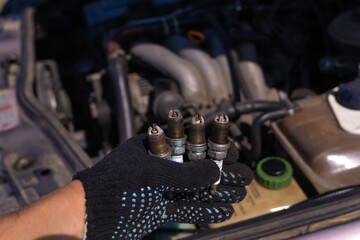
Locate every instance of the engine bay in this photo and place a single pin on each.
(285, 73)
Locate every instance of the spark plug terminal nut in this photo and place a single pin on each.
(157, 142)
(218, 144)
(176, 138)
(196, 144)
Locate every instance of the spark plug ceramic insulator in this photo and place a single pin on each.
(176, 138)
(218, 144)
(157, 142)
(196, 144)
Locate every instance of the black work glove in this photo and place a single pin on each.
(234, 177)
(126, 192)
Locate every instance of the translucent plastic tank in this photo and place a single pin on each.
(329, 156)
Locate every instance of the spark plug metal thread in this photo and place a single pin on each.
(196, 144)
(219, 144)
(176, 138)
(157, 142)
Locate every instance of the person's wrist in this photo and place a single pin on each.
(76, 190)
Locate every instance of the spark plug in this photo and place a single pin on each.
(158, 146)
(176, 138)
(219, 144)
(196, 144)
(157, 142)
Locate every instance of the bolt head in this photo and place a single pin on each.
(218, 155)
(196, 156)
(178, 150)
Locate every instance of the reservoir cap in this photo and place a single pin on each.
(274, 172)
(349, 94)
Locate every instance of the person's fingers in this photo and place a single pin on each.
(165, 174)
(196, 212)
(224, 193)
(184, 177)
(181, 196)
(232, 154)
(237, 174)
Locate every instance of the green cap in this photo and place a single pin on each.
(274, 172)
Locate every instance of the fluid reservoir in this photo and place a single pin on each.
(272, 190)
(325, 148)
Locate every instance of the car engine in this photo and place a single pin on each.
(80, 77)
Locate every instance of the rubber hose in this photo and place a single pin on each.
(256, 131)
(117, 67)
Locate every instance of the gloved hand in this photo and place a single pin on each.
(126, 191)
